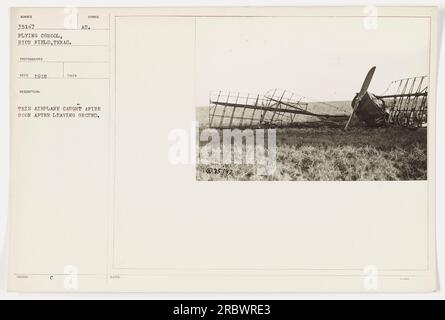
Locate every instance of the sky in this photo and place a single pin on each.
(325, 59)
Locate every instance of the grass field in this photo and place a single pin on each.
(326, 154)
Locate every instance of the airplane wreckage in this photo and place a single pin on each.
(404, 104)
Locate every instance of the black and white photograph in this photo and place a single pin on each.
(227, 151)
(345, 98)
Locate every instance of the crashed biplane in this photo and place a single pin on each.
(404, 103)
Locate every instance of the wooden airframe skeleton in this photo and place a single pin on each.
(404, 103)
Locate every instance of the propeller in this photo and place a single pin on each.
(361, 94)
